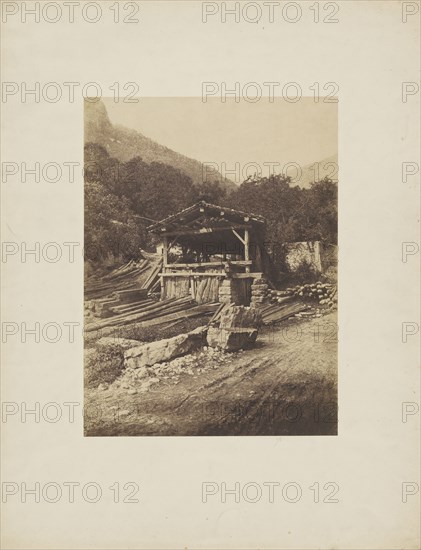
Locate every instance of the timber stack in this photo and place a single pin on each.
(323, 293)
(131, 276)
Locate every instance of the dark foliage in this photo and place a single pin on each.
(123, 198)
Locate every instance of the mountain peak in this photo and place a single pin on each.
(124, 144)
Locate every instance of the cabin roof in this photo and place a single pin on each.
(204, 214)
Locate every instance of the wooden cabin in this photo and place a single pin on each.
(222, 251)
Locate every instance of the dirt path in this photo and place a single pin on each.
(286, 385)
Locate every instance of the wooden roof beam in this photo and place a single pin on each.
(205, 230)
(239, 236)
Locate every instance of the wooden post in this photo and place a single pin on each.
(247, 248)
(164, 283)
(193, 287)
(165, 252)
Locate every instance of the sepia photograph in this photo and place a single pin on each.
(208, 342)
(211, 267)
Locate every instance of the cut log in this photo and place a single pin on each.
(128, 296)
(151, 312)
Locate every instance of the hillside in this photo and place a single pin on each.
(124, 144)
(326, 167)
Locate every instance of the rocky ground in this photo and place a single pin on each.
(285, 385)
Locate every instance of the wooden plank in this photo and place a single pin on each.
(210, 264)
(214, 316)
(195, 274)
(152, 276)
(133, 305)
(282, 313)
(247, 248)
(206, 284)
(240, 262)
(257, 275)
(192, 312)
(165, 251)
(215, 290)
(239, 236)
(143, 314)
(204, 230)
(195, 265)
(155, 287)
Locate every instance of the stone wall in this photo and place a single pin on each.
(320, 257)
(307, 251)
(259, 292)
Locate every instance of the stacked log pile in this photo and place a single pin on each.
(133, 275)
(151, 312)
(325, 294)
(116, 304)
(299, 301)
(275, 313)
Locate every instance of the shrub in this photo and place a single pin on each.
(104, 365)
(304, 273)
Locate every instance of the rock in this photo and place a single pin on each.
(142, 372)
(103, 387)
(237, 328)
(124, 343)
(132, 392)
(124, 413)
(240, 316)
(165, 350)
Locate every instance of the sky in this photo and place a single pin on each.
(243, 132)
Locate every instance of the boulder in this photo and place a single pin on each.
(237, 328)
(124, 343)
(231, 339)
(240, 317)
(147, 355)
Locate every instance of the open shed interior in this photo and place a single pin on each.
(218, 245)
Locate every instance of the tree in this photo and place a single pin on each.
(292, 213)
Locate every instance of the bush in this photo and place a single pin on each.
(103, 365)
(304, 273)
